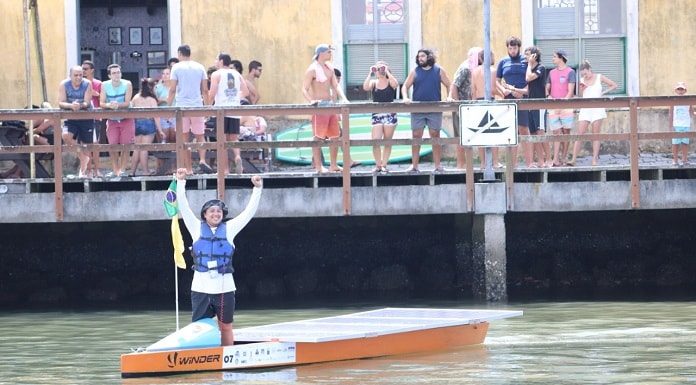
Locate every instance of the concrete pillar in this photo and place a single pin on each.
(489, 258)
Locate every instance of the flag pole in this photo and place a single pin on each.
(176, 294)
(172, 208)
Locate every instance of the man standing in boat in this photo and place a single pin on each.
(213, 288)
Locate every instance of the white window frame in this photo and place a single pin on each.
(412, 29)
(630, 20)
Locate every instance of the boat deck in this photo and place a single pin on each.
(368, 324)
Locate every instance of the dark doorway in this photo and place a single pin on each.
(132, 33)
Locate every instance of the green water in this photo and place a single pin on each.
(553, 343)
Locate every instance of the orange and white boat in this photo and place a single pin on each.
(374, 333)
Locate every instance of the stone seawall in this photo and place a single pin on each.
(575, 255)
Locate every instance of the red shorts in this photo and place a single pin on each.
(325, 126)
(120, 132)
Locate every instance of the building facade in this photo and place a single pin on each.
(638, 43)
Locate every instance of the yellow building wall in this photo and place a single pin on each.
(283, 37)
(13, 69)
(667, 34)
(278, 33)
(451, 27)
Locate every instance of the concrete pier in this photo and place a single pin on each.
(478, 244)
(489, 258)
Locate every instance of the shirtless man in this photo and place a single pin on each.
(320, 88)
(251, 77)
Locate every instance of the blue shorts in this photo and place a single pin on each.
(433, 120)
(680, 140)
(81, 130)
(522, 115)
(534, 121)
(145, 127)
(213, 305)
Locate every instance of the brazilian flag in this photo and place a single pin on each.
(171, 206)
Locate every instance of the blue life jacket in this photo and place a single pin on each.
(210, 247)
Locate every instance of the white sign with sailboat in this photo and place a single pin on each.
(488, 125)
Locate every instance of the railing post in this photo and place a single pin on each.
(510, 176)
(635, 154)
(469, 178)
(347, 162)
(222, 161)
(58, 167)
(180, 142)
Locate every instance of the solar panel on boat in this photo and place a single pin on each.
(367, 324)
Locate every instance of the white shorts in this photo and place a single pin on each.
(592, 114)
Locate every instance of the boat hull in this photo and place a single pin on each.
(279, 353)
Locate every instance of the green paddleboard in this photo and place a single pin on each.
(360, 128)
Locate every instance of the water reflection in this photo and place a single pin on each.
(582, 342)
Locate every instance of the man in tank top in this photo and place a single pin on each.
(75, 94)
(427, 80)
(228, 88)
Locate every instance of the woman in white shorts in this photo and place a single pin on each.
(591, 86)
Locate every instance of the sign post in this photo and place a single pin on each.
(488, 125)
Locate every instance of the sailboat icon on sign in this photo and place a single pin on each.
(488, 125)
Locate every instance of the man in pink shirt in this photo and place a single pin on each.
(560, 85)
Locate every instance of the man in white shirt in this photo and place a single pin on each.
(188, 87)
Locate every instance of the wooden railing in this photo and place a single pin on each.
(633, 136)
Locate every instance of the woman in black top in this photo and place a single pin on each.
(383, 87)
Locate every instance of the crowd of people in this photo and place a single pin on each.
(518, 75)
(186, 83)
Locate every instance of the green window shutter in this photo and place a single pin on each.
(555, 22)
(607, 57)
(548, 46)
(359, 58)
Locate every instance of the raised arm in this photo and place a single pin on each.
(393, 81)
(236, 225)
(193, 224)
(368, 84)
